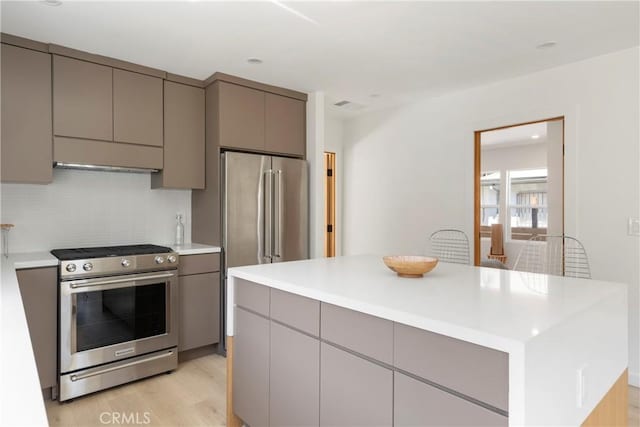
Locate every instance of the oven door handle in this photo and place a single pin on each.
(77, 377)
(86, 283)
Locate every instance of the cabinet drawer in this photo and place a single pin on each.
(419, 404)
(296, 311)
(252, 296)
(470, 369)
(196, 264)
(365, 334)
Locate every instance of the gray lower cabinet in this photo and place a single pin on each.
(294, 386)
(419, 404)
(199, 310)
(26, 116)
(354, 391)
(251, 368)
(38, 288)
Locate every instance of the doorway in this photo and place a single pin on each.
(330, 204)
(519, 187)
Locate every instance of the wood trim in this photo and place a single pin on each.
(551, 119)
(612, 409)
(105, 60)
(25, 43)
(476, 196)
(330, 204)
(184, 80)
(256, 85)
(232, 419)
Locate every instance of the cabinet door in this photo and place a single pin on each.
(419, 404)
(285, 129)
(241, 117)
(251, 368)
(183, 138)
(82, 99)
(38, 288)
(199, 310)
(26, 116)
(294, 389)
(353, 391)
(137, 108)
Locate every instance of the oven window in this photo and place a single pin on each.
(119, 315)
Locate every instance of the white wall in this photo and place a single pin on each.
(83, 208)
(409, 170)
(315, 149)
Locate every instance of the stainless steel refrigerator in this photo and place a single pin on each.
(265, 211)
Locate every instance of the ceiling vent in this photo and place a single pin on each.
(348, 105)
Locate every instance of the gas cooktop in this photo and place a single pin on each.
(108, 251)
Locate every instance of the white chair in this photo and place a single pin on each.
(555, 255)
(450, 245)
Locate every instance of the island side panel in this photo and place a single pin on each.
(592, 342)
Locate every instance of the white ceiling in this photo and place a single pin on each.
(515, 135)
(349, 50)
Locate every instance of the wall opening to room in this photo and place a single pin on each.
(330, 204)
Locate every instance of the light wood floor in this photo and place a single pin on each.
(193, 395)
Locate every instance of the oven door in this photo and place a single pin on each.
(109, 319)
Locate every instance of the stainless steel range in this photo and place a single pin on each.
(117, 316)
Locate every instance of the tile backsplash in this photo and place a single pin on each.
(86, 208)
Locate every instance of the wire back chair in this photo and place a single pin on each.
(450, 245)
(555, 255)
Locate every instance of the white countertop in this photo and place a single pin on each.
(541, 321)
(22, 402)
(193, 248)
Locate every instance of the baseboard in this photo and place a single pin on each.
(634, 379)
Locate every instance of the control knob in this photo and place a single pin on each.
(87, 266)
(171, 259)
(159, 260)
(71, 268)
(125, 263)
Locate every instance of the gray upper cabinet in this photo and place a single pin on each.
(183, 138)
(285, 130)
(419, 404)
(137, 108)
(38, 288)
(26, 116)
(294, 386)
(82, 99)
(241, 117)
(353, 391)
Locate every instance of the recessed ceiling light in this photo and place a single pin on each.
(535, 136)
(254, 61)
(547, 45)
(51, 2)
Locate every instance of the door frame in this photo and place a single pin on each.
(477, 158)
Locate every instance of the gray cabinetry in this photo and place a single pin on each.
(285, 130)
(82, 99)
(420, 404)
(251, 368)
(298, 312)
(252, 296)
(294, 379)
(38, 288)
(183, 138)
(241, 116)
(354, 391)
(137, 108)
(26, 116)
(199, 301)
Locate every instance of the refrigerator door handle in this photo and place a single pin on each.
(279, 209)
(268, 215)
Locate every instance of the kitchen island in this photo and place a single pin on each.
(338, 341)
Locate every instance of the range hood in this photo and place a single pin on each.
(102, 168)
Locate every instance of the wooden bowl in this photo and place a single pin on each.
(410, 265)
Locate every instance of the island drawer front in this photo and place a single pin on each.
(252, 296)
(419, 404)
(196, 264)
(296, 311)
(473, 370)
(362, 333)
